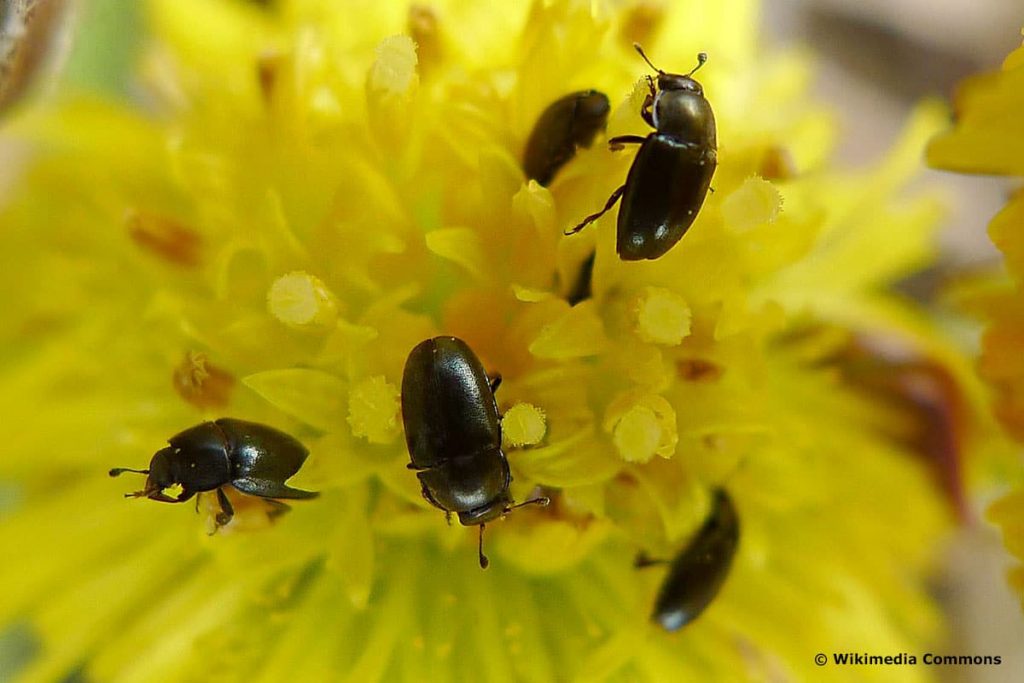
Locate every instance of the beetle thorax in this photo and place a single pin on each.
(685, 115)
(197, 467)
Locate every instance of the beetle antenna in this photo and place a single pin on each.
(636, 46)
(484, 562)
(543, 501)
(701, 58)
(121, 470)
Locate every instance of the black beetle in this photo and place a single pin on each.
(671, 173)
(568, 123)
(453, 432)
(253, 458)
(698, 572)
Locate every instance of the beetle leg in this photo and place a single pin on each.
(264, 488)
(197, 503)
(594, 216)
(620, 141)
(647, 114)
(642, 561)
(651, 87)
(226, 510)
(495, 382)
(645, 110)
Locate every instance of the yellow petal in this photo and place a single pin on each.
(311, 396)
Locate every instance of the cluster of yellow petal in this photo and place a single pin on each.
(309, 189)
(989, 138)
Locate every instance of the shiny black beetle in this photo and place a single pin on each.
(568, 123)
(671, 173)
(453, 431)
(698, 572)
(253, 458)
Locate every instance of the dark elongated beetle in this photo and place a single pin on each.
(253, 458)
(671, 173)
(698, 572)
(568, 123)
(453, 431)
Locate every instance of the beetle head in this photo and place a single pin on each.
(487, 513)
(679, 82)
(161, 470)
(667, 81)
(499, 507)
(681, 110)
(159, 474)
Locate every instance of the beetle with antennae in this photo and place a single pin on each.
(697, 573)
(671, 173)
(453, 431)
(253, 458)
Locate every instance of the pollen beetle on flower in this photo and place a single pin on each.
(697, 573)
(251, 457)
(671, 173)
(453, 432)
(568, 123)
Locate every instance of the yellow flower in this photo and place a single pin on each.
(302, 195)
(989, 138)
